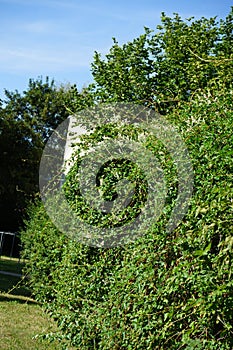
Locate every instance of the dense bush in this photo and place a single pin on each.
(162, 291)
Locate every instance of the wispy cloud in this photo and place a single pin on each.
(38, 27)
(35, 60)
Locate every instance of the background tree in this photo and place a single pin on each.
(26, 121)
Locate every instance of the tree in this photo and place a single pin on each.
(26, 121)
(167, 67)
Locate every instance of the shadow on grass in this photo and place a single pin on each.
(13, 287)
(11, 265)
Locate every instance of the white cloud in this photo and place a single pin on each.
(34, 60)
(38, 27)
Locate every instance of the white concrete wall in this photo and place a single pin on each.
(73, 134)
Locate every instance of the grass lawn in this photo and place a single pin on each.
(21, 319)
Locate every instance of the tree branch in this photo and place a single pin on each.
(210, 60)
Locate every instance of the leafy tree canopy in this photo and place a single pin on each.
(166, 67)
(26, 121)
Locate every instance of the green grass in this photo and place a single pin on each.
(11, 284)
(22, 320)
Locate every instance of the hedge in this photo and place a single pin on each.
(162, 291)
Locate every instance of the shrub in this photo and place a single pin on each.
(162, 291)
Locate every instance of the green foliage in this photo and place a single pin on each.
(125, 75)
(26, 121)
(107, 178)
(164, 291)
(166, 67)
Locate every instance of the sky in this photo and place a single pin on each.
(58, 38)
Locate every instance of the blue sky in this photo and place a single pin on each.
(58, 37)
